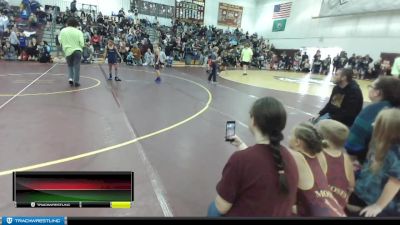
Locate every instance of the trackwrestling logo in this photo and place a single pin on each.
(33, 220)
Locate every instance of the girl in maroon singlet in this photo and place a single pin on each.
(314, 198)
(335, 163)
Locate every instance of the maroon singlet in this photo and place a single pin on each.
(319, 200)
(337, 179)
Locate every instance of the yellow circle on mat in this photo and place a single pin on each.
(98, 82)
(118, 146)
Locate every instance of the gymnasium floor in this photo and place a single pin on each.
(171, 135)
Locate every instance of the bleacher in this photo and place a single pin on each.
(23, 25)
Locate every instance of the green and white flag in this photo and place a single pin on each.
(279, 25)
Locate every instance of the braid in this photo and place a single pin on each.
(275, 139)
(320, 139)
(270, 117)
(310, 136)
(318, 134)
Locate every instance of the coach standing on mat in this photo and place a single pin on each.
(71, 40)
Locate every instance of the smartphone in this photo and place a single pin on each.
(230, 131)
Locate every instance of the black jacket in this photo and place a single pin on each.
(344, 104)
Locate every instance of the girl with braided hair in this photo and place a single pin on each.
(261, 180)
(314, 198)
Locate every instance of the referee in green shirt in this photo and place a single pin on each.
(246, 57)
(71, 40)
(396, 67)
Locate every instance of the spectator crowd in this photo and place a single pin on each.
(345, 161)
(191, 43)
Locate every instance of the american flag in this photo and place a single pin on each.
(282, 10)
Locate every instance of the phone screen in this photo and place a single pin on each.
(230, 130)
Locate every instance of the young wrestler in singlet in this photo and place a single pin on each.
(314, 198)
(111, 53)
(160, 59)
(335, 163)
